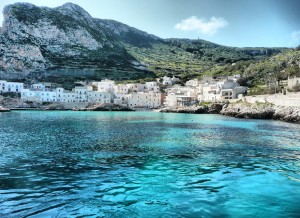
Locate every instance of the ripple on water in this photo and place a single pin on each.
(139, 164)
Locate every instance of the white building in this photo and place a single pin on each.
(121, 89)
(173, 100)
(105, 85)
(121, 99)
(144, 99)
(193, 83)
(100, 97)
(223, 90)
(10, 86)
(81, 93)
(136, 87)
(152, 86)
(38, 86)
(294, 81)
(168, 81)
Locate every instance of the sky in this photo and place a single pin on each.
(240, 23)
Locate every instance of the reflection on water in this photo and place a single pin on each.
(137, 164)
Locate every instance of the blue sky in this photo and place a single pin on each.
(241, 23)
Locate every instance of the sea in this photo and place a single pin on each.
(147, 164)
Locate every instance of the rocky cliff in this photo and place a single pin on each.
(67, 37)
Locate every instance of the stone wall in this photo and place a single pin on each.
(289, 100)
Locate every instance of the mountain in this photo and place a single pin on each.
(67, 41)
(64, 40)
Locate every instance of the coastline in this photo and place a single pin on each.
(240, 109)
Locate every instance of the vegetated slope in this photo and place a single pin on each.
(191, 58)
(263, 72)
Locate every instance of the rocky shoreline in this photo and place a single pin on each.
(214, 108)
(104, 107)
(243, 110)
(3, 109)
(262, 111)
(236, 109)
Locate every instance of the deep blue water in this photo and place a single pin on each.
(147, 164)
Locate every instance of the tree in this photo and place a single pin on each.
(292, 70)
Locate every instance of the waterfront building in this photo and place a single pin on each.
(100, 97)
(10, 86)
(121, 99)
(144, 99)
(81, 93)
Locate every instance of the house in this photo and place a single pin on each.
(121, 89)
(100, 97)
(193, 83)
(292, 81)
(121, 99)
(152, 86)
(136, 87)
(81, 93)
(105, 85)
(168, 81)
(172, 100)
(10, 86)
(144, 99)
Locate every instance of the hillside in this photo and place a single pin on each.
(67, 42)
(62, 40)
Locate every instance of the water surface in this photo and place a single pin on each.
(147, 164)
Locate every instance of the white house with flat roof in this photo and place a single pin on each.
(136, 87)
(168, 81)
(38, 86)
(144, 99)
(152, 86)
(293, 81)
(10, 86)
(121, 99)
(100, 97)
(193, 83)
(121, 89)
(105, 85)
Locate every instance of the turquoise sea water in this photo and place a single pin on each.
(147, 164)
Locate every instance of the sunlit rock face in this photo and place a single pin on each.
(39, 38)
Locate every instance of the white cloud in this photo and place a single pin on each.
(295, 36)
(208, 27)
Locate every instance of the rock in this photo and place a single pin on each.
(105, 107)
(243, 110)
(213, 108)
(3, 109)
(289, 114)
(55, 107)
(39, 38)
(262, 111)
(246, 110)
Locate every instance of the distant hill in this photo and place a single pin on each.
(67, 41)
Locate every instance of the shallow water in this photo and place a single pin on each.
(147, 164)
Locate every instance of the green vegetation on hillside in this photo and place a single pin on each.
(195, 58)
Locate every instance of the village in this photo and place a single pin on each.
(165, 92)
